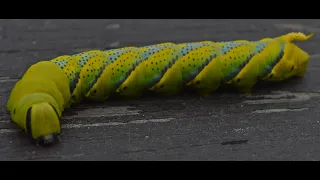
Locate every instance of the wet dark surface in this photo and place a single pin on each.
(278, 122)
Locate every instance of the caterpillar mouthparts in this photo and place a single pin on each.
(47, 140)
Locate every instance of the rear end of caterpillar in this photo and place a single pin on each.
(37, 101)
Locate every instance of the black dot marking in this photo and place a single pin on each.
(14, 111)
(292, 68)
(124, 88)
(198, 82)
(271, 76)
(161, 86)
(95, 91)
(238, 80)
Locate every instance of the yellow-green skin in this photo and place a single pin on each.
(48, 87)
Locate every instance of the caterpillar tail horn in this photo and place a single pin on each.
(296, 36)
(37, 101)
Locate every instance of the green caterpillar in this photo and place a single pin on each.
(37, 100)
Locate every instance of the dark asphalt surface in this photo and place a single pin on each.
(275, 122)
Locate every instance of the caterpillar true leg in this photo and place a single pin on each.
(37, 101)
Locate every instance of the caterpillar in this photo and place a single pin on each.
(48, 87)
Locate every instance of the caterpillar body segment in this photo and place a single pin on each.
(46, 71)
(253, 65)
(171, 80)
(156, 60)
(196, 63)
(48, 87)
(119, 65)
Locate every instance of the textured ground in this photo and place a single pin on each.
(278, 122)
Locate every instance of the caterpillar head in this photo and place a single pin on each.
(38, 114)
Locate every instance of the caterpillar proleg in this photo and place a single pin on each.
(39, 98)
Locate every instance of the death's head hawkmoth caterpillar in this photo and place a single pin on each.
(48, 87)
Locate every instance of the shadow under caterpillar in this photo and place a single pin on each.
(48, 87)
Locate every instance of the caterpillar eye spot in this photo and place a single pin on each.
(161, 86)
(238, 80)
(198, 82)
(271, 76)
(94, 91)
(124, 88)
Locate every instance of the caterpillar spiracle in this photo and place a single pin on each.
(48, 87)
